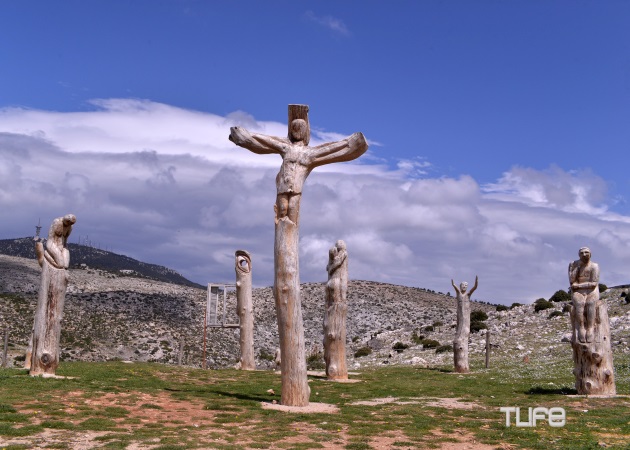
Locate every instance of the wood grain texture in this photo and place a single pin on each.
(336, 309)
(245, 308)
(298, 160)
(52, 292)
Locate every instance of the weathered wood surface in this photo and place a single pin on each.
(54, 259)
(462, 333)
(335, 313)
(298, 160)
(245, 308)
(592, 352)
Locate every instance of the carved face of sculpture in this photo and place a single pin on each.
(298, 130)
(463, 287)
(585, 254)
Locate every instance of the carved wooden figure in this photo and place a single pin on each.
(335, 313)
(592, 353)
(298, 160)
(245, 308)
(54, 259)
(460, 343)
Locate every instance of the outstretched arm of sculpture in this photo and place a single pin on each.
(474, 287)
(344, 150)
(257, 143)
(456, 288)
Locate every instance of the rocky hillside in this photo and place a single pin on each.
(83, 255)
(108, 316)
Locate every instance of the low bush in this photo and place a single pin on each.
(542, 305)
(602, 287)
(429, 328)
(502, 308)
(515, 305)
(363, 351)
(476, 326)
(560, 296)
(265, 356)
(416, 338)
(399, 346)
(444, 348)
(478, 316)
(315, 361)
(555, 314)
(430, 343)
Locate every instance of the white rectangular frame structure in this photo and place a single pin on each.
(212, 306)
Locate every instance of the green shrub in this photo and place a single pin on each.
(430, 343)
(429, 328)
(315, 361)
(355, 339)
(444, 348)
(399, 346)
(265, 356)
(602, 287)
(363, 351)
(515, 305)
(478, 316)
(502, 308)
(416, 339)
(476, 325)
(555, 314)
(560, 296)
(542, 305)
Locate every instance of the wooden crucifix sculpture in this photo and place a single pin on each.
(460, 343)
(298, 160)
(54, 258)
(592, 353)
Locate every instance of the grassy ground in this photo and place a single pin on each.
(136, 406)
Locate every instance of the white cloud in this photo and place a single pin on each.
(165, 185)
(332, 23)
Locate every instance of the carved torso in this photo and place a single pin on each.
(294, 170)
(584, 273)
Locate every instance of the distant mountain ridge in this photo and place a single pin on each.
(100, 259)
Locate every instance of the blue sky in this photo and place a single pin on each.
(499, 133)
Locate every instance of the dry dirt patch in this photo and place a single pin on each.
(449, 403)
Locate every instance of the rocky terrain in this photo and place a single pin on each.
(108, 316)
(85, 255)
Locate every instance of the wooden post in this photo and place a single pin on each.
(487, 348)
(180, 355)
(204, 365)
(55, 260)
(592, 352)
(245, 308)
(6, 348)
(298, 160)
(336, 308)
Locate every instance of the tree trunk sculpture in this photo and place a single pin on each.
(592, 353)
(460, 343)
(335, 313)
(54, 258)
(298, 160)
(245, 309)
